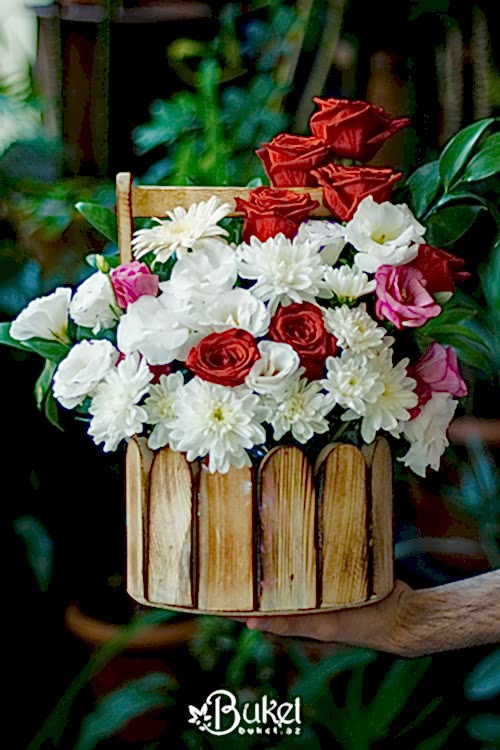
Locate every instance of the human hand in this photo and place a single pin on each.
(379, 626)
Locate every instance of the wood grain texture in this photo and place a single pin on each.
(138, 465)
(124, 215)
(288, 531)
(226, 540)
(171, 519)
(380, 472)
(155, 200)
(343, 527)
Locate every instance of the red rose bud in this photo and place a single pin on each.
(440, 269)
(354, 129)
(288, 159)
(345, 187)
(224, 358)
(301, 326)
(268, 212)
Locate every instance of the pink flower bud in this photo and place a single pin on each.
(402, 297)
(437, 371)
(133, 280)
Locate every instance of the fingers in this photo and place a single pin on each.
(317, 627)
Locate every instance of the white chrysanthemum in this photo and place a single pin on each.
(94, 303)
(216, 421)
(44, 317)
(352, 382)
(238, 308)
(348, 284)
(326, 236)
(354, 329)
(383, 234)
(391, 409)
(300, 409)
(158, 406)
(284, 271)
(427, 433)
(194, 229)
(79, 374)
(152, 327)
(116, 414)
(204, 275)
(277, 365)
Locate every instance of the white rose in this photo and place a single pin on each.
(427, 433)
(327, 236)
(203, 274)
(94, 303)
(277, 366)
(383, 234)
(151, 328)
(237, 308)
(45, 318)
(79, 374)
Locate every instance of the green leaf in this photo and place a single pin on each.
(42, 385)
(394, 692)
(459, 149)
(39, 548)
(448, 224)
(115, 710)
(94, 259)
(424, 185)
(487, 161)
(101, 218)
(6, 338)
(485, 728)
(53, 350)
(484, 680)
(312, 682)
(51, 411)
(440, 739)
(255, 182)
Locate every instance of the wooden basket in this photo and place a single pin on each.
(285, 539)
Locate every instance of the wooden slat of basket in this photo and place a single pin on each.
(379, 460)
(226, 540)
(343, 524)
(171, 518)
(155, 200)
(287, 518)
(138, 466)
(124, 215)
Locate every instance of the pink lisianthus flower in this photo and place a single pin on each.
(437, 371)
(131, 281)
(402, 297)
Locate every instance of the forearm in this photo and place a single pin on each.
(457, 615)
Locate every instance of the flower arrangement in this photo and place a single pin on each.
(300, 330)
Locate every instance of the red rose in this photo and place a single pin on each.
(354, 129)
(268, 212)
(288, 159)
(345, 187)
(439, 268)
(224, 358)
(301, 325)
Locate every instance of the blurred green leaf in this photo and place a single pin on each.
(395, 691)
(253, 647)
(487, 161)
(39, 548)
(312, 682)
(101, 218)
(484, 680)
(440, 739)
(424, 185)
(115, 710)
(448, 224)
(485, 728)
(42, 385)
(459, 149)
